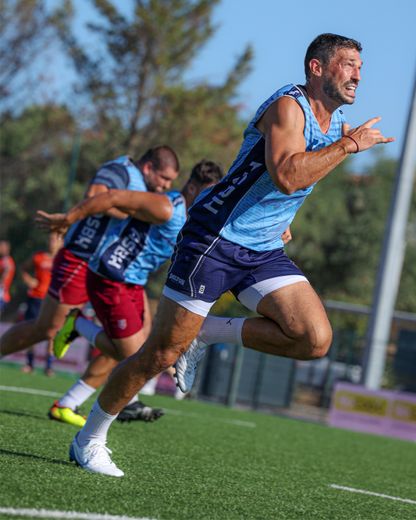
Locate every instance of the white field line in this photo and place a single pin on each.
(235, 422)
(35, 391)
(371, 493)
(73, 515)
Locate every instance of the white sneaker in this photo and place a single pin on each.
(94, 457)
(179, 395)
(187, 364)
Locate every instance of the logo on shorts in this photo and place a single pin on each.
(122, 324)
(201, 289)
(176, 279)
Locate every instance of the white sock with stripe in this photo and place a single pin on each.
(221, 330)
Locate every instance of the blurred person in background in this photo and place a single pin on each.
(7, 272)
(36, 275)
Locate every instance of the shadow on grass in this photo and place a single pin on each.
(25, 414)
(11, 453)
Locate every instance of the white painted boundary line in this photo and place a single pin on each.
(35, 391)
(234, 422)
(371, 493)
(73, 515)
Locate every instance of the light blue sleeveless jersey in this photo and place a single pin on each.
(133, 249)
(84, 237)
(246, 207)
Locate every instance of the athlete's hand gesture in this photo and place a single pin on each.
(57, 222)
(364, 136)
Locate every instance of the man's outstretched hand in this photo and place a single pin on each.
(364, 136)
(57, 222)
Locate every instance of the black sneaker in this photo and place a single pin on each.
(138, 411)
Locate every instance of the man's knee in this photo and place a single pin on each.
(311, 340)
(163, 351)
(317, 340)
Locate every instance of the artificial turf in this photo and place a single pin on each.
(199, 461)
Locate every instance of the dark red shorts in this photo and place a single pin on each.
(119, 306)
(69, 275)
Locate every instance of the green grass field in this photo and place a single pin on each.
(200, 461)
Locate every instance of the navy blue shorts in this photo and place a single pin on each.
(225, 266)
(33, 308)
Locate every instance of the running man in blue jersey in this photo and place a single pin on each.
(118, 271)
(231, 240)
(154, 171)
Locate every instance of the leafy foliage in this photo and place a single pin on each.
(338, 234)
(25, 32)
(138, 62)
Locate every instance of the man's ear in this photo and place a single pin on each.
(146, 168)
(315, 66)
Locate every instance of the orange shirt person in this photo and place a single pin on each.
(7, 271)
(38, 283)
(36, 274)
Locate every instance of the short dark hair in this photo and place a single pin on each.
(206, 172)
(324, 47)
(161, 157)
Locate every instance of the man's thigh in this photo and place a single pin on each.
(174, 326)
(52, 315)
(297, 309)
(68, 282)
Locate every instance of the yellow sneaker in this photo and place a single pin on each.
(66, 415)
(66, 335)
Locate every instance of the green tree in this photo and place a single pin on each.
(25, 31)
(338, 235)
(133, 79)
(34, 153)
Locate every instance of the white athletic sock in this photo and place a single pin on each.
(76, 395)
(221, 330)
(96, 427)
(134, 399)
(150, 387)
(87, 328)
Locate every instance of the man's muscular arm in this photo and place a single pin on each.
(289, 165)
(96, 189)
(150, 207)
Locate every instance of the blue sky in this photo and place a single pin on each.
(280, 32)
